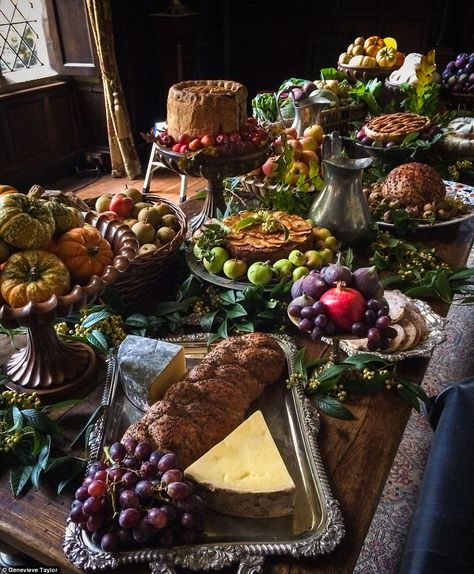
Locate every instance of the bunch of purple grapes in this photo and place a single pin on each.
(141, 498)
(312, 318)
(376, 326)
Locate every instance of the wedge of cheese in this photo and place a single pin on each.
(244, 474)
(148, 368)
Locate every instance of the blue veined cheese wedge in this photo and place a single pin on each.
(244, 474)
(148, 368)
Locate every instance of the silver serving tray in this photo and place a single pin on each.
(316, 527)
(436, 326)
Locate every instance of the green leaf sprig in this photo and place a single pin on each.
(330, 385)
(418, 272)
(32, 445)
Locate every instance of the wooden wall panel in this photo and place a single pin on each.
(39, 134)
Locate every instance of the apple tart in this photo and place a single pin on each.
(395, 127)
(199, 107)
(266, 235)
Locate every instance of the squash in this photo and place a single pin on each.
(65, 217)
(4, 189)
(363, 62)
(25, 223)
(386, 57)
(459, 136)
(372, 45)
(4, 251)
(84, 252)
(33, 276)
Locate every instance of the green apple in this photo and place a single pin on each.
(321, 232)
(283, 268)
(215, 263)
(313, 259)
(234, 268)
(327, 255)
(299, 272)
(297, 257)
(332, 243)
(259, 273)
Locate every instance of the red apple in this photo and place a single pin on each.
(297, 147)
(184, 139)
(309, 142)
(184, 148)
(176, 147)
(110, 215)
(195, 144)
(121, 204)
(308, 155)
(208, 140)
(270, 167)
(344, 306)
(291, 133)
(297, 169)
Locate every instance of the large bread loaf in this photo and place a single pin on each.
(211, 400)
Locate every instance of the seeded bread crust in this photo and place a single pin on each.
(210, 401)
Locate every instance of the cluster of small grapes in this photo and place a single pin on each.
(312, 318)
(376, 326)
(138, 498)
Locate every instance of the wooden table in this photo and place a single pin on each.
(357, 456)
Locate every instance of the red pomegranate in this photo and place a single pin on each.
(344, 306)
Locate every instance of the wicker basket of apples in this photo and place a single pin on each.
(160, 226)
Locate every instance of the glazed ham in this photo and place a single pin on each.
(414, 185)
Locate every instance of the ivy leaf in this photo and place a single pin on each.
(94, 318)
(44, 453)
(19, 479)
(92, 419)
(40, 421)
(208, 320)
(137, 320)
(98, 340)
(360, 360)
(300, 365)
(333, 408)
(14, 415)
(236, 311)
(60, 463)
(247, 222)
(442, 285)
(36, 475)
(409, 397)
(332, 372)
(228, 296)
(222, 330)
(76, 467)
(246, 327)
(61, 405)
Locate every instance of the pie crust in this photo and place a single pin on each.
(199, 107)
(395, 127)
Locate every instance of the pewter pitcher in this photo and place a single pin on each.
(341, 206)
(307, 111)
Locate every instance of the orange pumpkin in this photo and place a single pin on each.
(372, 45)
(33, 276)
(7, 189)
(84, 252)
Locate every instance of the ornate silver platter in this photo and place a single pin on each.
(315, 528)
(436, 326)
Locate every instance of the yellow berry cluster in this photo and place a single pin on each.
(460, 165)
(112, 327)
(21, 400)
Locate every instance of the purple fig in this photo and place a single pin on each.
(366, 281)
(296, 288)
(314, 285)
(335, 273)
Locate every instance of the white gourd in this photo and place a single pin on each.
(460, 136)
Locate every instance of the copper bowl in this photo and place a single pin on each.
(49, 365)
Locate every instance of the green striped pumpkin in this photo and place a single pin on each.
(25, 223)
